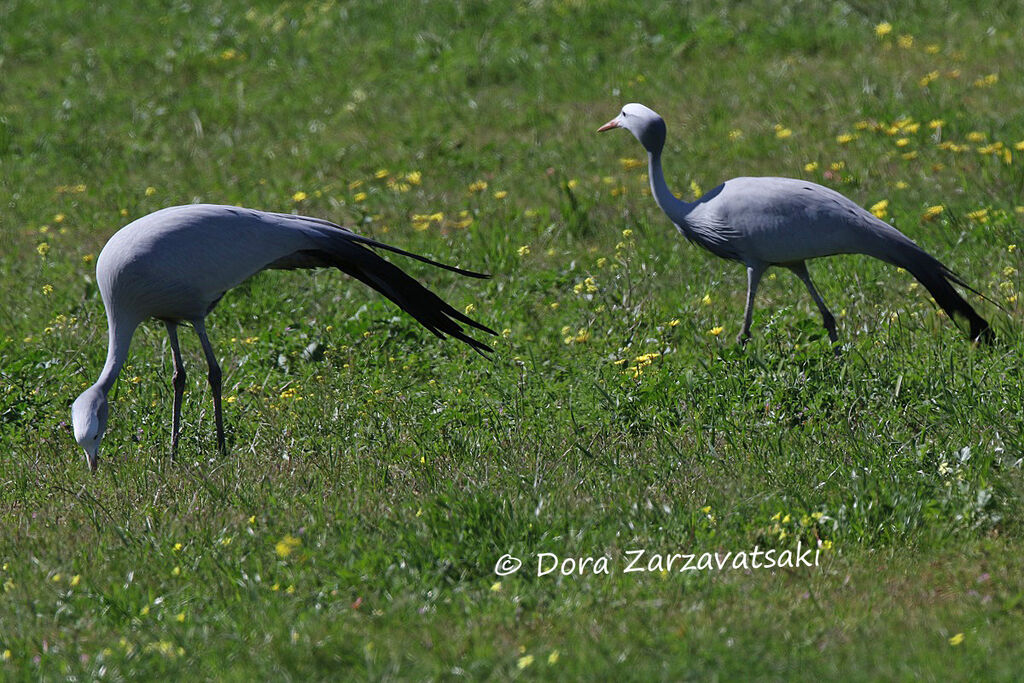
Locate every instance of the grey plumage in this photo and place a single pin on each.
(764, 222)
(175, 265)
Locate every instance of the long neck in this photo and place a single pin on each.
(119, 339)
(675, 208)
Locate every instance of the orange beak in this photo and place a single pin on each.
(614, 123)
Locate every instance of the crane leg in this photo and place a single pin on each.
(754, 274)
(178, 381)
(215, 377)
(800, 270)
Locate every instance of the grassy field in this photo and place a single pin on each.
(355, 525)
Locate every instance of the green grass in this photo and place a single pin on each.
(398, 469)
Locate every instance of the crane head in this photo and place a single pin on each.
(89, 417)
(643, 122)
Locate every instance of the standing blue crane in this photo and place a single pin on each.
(175, 265)
(764, 222)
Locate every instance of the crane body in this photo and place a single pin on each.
(175, 265)
(765, 222)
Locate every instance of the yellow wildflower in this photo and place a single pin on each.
(496, 587)
(414, 177)
(299, 196)
(524, 661)
(957, 639)
(905, 41)
(782, 132)
(47, 290)
(883, 29)
(673, 322)
(150, 191)
(500, 194)
(88, 258)
(932, 211)
(553, 657)
(811, 166)
(880, 208)
(845, 138)
(287, 545)
(735, 134)
(630, 164)
(715, 331)
(75, 580)
(359, 197)
(523, 250)
(478, 186)
(43, 248)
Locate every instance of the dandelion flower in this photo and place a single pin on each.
(811, 166)
(845, 138)
(414, 178)
(75, 580)
(524, 661)
(781, 132)
(478, 186)
(381, 173)
(706, 300)
(47, 290)
(879, 208)
(883, 29)
(957, 639)
(359, 197)
(500, 194)
(43, 248)
(470, 308)
(299, 196)
(932, 212)
(715, 331)
(496, 587)
(88, 258)
(150, 191)
(735, 134)
(631, 164)
(673, 322)
(287, 545)
(523, 250)
(905, 41)
(181, 617)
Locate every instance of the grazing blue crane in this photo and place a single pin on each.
(175, 265)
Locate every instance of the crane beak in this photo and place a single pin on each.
(94, 459)
(614, 123)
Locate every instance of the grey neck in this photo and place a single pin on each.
(675, 208)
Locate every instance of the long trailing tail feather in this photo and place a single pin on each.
(898, 249)
(349, 256)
